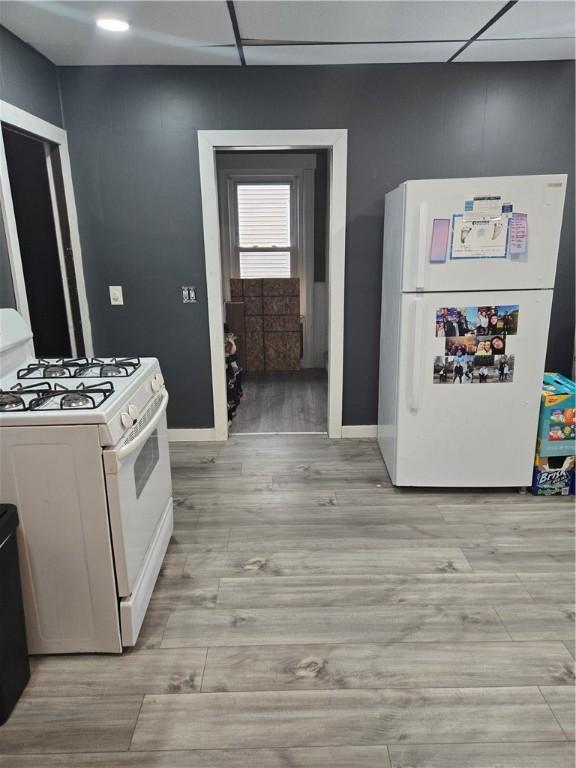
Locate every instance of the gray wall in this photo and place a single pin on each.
(132, 135)
(29, 81)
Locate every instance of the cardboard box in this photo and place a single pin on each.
(553, 476)
(557, 424)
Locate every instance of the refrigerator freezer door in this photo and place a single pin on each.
(475, 430)
(498, 233)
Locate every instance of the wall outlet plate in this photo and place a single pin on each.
(116, 295)
(188, 294)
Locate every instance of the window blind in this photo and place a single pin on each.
(259, 264)
(263, 215)
(264, 230)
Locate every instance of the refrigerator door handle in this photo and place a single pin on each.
(414, 390)
(421, 253)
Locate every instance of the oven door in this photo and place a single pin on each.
(139, 487)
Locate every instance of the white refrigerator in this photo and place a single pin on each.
(468, 276)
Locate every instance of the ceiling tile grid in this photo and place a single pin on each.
(290, 32)
(375, 53)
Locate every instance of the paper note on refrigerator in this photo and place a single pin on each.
(439, 241)
(485, 206)
(518, 235)
(481, 238)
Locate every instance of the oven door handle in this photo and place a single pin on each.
(121, 453)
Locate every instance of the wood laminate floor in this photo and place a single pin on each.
(283, 401)
(310, 615)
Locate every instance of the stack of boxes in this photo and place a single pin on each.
(556, 444)
(271, 322)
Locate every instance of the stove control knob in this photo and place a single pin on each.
(133, 411)
(157, 382)
(126, 420)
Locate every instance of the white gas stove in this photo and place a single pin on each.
(84, 456)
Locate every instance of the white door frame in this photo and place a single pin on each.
(335, 140)
(18, 118)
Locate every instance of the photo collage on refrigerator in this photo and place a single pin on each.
(475, 344)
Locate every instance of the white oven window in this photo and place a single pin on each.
(145, 462)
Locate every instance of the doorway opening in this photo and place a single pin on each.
(273, 231)
(334, 142)
(40, 246)
(48, 303)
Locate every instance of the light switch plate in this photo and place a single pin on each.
(188, 294)
(116, 295)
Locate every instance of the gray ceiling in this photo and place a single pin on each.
(275, 32)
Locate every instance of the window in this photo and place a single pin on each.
(264, 230)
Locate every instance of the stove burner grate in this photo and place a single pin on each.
(80, 367)
(47, 397)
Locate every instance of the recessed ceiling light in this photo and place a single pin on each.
(113, 25)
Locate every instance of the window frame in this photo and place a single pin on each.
(236, 248)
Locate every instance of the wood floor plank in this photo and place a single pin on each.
(314, 466)
(538, 621)
(186, 469)
(444, 497)
(334, 481)
(551, 538)
(515, 755)
(70, 724)
(184, 540)
(253, 626)
(491, 557)
(298, 757)
(183, 590)
(331, 718)
(138, 672)
(173, 565)
(550, 587)
(397, 665)
(354, 537)
(265, 498)
(429, 589)
(527, 514)
(185, 482)
(371, 562)
(560, 699)
(152, 630)
(229, 517)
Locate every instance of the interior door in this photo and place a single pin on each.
(482, 233)
(471, 368)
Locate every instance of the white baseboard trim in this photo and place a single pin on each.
(192, 435)
(360, 430)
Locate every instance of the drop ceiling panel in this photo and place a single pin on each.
(160, 32)
(151, 55)
(361, 20)
(349, 54)
(519, 50)
(530, 18)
